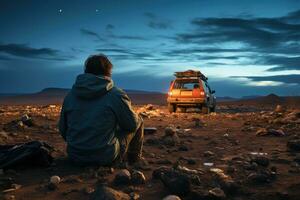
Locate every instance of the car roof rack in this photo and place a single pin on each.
(191, 74)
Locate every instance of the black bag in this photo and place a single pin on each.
(33, 153)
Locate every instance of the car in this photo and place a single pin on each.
(190, 89)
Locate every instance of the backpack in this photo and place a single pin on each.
(33, 153)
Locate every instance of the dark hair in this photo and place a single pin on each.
(98, 65)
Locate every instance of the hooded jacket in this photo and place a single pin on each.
(92, 113)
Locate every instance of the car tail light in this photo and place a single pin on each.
(202, 93)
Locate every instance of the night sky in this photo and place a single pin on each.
(245, 47)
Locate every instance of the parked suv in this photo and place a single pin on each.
(191, 89)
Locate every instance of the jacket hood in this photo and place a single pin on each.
(90, 86)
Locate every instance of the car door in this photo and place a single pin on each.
(210, 98)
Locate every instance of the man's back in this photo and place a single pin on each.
(91, 114)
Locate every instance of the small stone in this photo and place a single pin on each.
(208, 154)
(294, 145)
(183, 148)
(261, 160)
(172, 197)
(89, 190)
(191, 161)
(259, 177)
(149, 107)
(157, 173)
(137, 177)
(134, 196)
(170, 131)
(261, 132)
(164, 162)
(176, 183)
(107, 193)
(55, 180)
(3, 135)
(217, 193)
(9, 197)
(279, 109)
(122, 177)
(27, 120)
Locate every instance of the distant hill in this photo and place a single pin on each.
(270, 100)
(56, 96)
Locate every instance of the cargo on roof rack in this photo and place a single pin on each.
(189, 74)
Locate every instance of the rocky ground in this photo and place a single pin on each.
(236, 153)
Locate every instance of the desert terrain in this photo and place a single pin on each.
(248, 149)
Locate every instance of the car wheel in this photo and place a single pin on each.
(172, 107)
(205, 109)
(182, 109)
(213, 109)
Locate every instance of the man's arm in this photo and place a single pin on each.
(128, 120)
(63, 126)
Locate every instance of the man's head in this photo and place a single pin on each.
(98, 65)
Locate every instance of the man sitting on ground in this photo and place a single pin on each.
(97, 120)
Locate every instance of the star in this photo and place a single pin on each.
(60, 10)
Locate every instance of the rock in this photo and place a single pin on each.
(172, 197)
(122, 177)
(15, 125)
(27, 120)
(261, 160)
(297, 159)
(261, 177)
(157, 173)
(261, 132)
(294, 145)
(137, 177)
(55, 180)
(149, 107)
(279, 109)
(208, 154)
(164, 162)
(191, 161)
(134, 196)
(107, 193)
(88, 190)
(170, 131)
(9, 197)
(152, 141)
(274, 132)
(150, 130)
(176, 183)
(183, 148)
(250, 166)
(171, 140)
(217, 193)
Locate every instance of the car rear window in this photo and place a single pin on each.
(186, 84)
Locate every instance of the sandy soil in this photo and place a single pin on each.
(227, 139)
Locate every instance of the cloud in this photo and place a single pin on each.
(263, 33)
(109, 34)
(91, 34)
(25, 51)
(125, 54)
(109, 27)
(156, 22)
(4, 57)
(282, 63)
(288, 79)
(267, 41)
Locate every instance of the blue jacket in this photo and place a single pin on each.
(92, 112)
